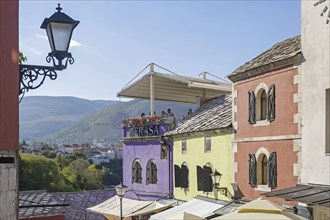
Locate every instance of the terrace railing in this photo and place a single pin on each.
(147, 126)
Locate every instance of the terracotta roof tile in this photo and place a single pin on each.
(280, 51)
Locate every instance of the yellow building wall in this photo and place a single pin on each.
(220, 157)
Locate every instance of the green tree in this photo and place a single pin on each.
(21, 57)
(38, 172)
(82, 175)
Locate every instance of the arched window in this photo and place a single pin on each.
(151, 172)
(262, 169)
(263, 105)
(136, 171)
(181, 176)
(204, 179)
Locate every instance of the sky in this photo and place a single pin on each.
(115, 40)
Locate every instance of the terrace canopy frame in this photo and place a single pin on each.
(173, 87)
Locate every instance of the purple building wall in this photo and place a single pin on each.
(146, 148)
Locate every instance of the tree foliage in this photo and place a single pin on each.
(58, 174)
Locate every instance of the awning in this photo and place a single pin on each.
(196, 206)
(176, 88)
(154, 207)
(308, 194)
(260, 209)
(111, 207)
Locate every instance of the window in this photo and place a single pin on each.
(204, 179)
(252, 108)
(137, 171)
(263, 171)
(207, 144)
(252, 170)
(262, 106)
(164, 152)
(327, 121)
(181, 176)
(184, 146)
(151, 172)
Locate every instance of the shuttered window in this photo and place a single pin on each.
(184, 176)
(272, 174)
(271, 103)
(207, 179)
(177, 176)
(252, 108)
(264, 170)
(151, 172)
(252, 170)
(200, 179)
(136, 171)
(204, 179)
(263, 106)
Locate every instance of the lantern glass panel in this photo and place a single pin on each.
(49, 35)
(61, 35)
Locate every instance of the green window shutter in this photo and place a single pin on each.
(207, 179)
(177, 175)
(252, 108)
(200, 179)
(184, 176)
(134, 173)
(153, 173)
(271, 103)
(252, 170)
(272, 170)
(139, 174)
(148, 172)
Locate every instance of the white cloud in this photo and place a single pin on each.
(42, 36)
(74, 43)
(34, 51)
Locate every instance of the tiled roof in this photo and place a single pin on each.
(79, 201)
(214, 114)
(38, 203)
(280, 51)
(72, 204)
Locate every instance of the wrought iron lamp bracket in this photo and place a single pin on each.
(33, 76)
(222, 190)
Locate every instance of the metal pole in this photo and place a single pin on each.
(121, 208)
(152, 98)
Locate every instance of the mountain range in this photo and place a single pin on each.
(76, 120)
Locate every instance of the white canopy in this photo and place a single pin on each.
(131, 207)
(173, 87)
(197, 207)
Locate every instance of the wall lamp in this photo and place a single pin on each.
(216, 176)
(59, 28)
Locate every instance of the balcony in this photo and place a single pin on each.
(151, 126)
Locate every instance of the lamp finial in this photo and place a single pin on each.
(58, 7)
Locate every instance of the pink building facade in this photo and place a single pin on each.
(267, 135)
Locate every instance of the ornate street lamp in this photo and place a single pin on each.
(59, 28)
(121, 190)
(216, 176)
